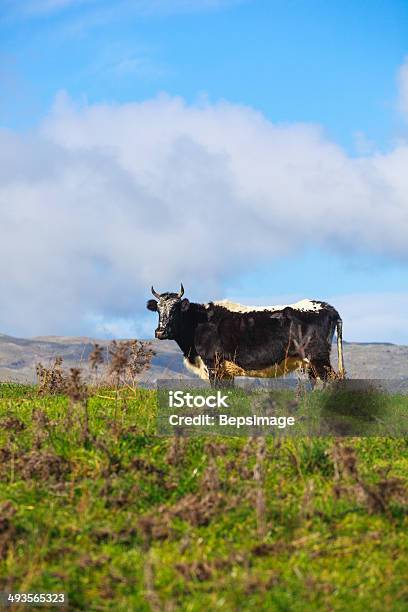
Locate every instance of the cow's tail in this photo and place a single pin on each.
(339, 333)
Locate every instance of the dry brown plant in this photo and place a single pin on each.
(51, 380)
(376, 497)
(96, 357)
(128, 358)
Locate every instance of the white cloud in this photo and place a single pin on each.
(103, 200)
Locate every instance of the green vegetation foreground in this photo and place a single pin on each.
(92, 503)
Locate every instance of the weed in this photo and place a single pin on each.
(376, 497)
(51, 380)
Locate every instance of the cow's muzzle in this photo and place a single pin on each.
(161, 335)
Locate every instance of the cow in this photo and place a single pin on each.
(221, 340)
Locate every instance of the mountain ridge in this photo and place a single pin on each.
(19, 356)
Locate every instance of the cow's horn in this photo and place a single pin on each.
(156, 295)
(181, 291)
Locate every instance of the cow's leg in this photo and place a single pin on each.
(320, 369)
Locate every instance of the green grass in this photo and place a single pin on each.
(94, 504)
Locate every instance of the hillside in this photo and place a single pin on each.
(18, 357)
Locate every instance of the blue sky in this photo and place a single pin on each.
(333, 63)
(325, 74)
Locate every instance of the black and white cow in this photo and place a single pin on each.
(221, 340)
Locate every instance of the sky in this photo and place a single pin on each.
(256, 150)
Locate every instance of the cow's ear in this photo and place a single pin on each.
(185, 304)
(151, 305)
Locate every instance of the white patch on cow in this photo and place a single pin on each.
(198, 367)
(303, 305)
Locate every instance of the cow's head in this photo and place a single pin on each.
(169, 306)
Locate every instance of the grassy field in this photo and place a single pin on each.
(94, 504)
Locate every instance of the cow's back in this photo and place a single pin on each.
(258, 340)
